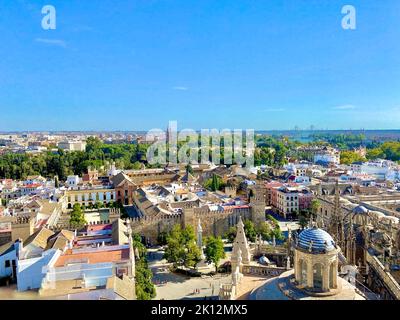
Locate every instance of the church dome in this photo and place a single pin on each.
(360, 210)
(317, 239)
(264, 260)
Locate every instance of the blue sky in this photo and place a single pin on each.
(135, 65)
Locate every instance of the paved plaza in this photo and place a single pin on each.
(11, 293)
(172, 286)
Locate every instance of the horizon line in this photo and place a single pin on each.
(134, 131)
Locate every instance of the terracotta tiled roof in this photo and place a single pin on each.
(96, 256)
(99, 227)
(120, 178)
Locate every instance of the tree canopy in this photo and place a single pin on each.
(181, 247)
(348, 157)
(145, 289)
(214, 250)
(77, 217)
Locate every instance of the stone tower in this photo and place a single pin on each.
(22, 228)
(240, 246)
(114, 214)
(337, 221)
(230, 191)
(257, 203)
(188, 217)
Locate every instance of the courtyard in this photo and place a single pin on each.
(174, 286)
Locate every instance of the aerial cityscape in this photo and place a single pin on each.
(113, 188)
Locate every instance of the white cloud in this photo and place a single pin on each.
(345, 107)
(180, 88)
(53, 42)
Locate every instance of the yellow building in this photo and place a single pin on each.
(88, 197)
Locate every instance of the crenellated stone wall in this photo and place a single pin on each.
(213, 222)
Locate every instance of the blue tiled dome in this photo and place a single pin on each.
(321, 240)
(360, 210)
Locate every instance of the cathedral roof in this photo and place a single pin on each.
(316, 239)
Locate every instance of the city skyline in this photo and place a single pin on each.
(137, 65)
(199, 157)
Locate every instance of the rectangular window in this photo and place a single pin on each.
(7, 263)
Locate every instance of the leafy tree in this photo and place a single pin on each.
(99, 205)
(375, 153)
(138, 244)
(192, 254)
(77, 217)
(272, 219)
(214, 250)
(343, 141)
(230, 234)
(315, 206)
(250, 230)
(189, 169)
(265, 230)
(137, 165)
(162, 238)
(348, 157)
(215, 183)
(145, 289)
(270, 229)
(391, 150)
(181, 247)
(174, 252)
(304, 218)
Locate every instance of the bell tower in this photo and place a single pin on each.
(257, 203)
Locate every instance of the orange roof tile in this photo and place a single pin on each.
(93, 257)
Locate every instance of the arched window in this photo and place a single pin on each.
(332, 274)
(317, 276)
(303, 272)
